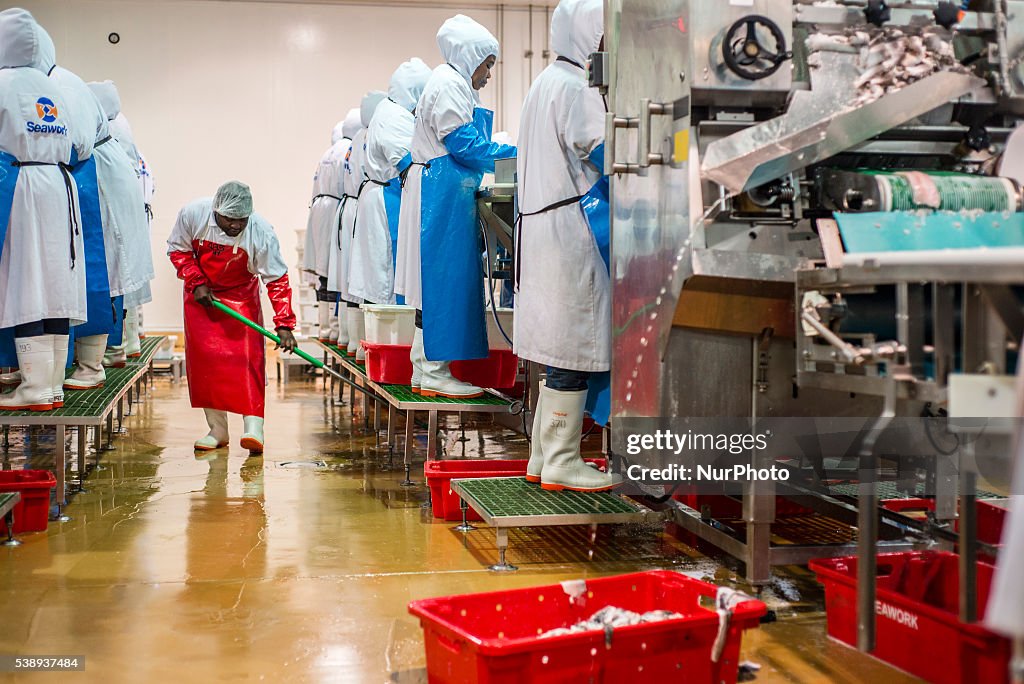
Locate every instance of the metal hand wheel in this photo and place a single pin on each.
(744, 54)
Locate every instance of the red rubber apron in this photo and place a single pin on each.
(225, 360)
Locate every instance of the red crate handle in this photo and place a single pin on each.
(449, 643)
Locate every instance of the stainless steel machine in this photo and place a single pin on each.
(814, 213)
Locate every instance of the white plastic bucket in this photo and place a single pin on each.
(389, 323)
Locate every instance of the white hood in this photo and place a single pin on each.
(352, 123)
(106, 93)
(465, 44)
(576, 29)
(338, 132)
(407, 83)
(46, 58)
(369, 105)
(19, 42)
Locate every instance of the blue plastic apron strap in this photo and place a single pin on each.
(8, 180)
(393, 208)
(598, 212)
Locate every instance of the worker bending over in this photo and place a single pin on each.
(439, 268)
(222, 250)
(563, 305)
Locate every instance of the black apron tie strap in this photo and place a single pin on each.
(568, 201)
(104, 141)
(322, 194)
(69, 187)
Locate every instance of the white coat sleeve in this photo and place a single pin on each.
(452, 109)
(584, 128)
(182, 233)
(268, 263)
(397, 142)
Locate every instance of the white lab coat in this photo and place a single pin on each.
(353, 178)
(37, 280)
(388, 139)
(322, 224)
(122, 209)
(1005, 612)
(563, 306)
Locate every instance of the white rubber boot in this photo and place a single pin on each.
(252, 439)
(536, 464)
(35, 359)
(88, 373)
(338, 325)
(130, 339)
(324, 332)
(417, 358)
(218, 435)
(356, 333)
(332, 323)
(437, 381)
(60, 364)
(115, 357)
(561, 428)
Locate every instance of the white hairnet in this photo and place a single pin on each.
(233, 200)
(369, 105)
(106, 93)
(576, 29)
(19, 42)
(352, 123)
(465, 44)
(407, 83)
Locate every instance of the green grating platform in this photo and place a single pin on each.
(514, 502)
(890, 490)
(95, 403)
(403, 393)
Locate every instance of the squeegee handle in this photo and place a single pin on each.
(263, 331)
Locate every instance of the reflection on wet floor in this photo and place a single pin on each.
(298, 565)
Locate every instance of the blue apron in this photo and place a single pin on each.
(104, 315)
(393, 207)
(596, 207)
(8, 181)
(450, 265)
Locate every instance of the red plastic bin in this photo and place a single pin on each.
(916, 607)
(32, 513)
(389, 364)
(493, 638)
(439, 474)
(990, 518)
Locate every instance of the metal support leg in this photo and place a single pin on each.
(432, 435)
(83, 445)
(502, 565)
(128, 405)
(376, 423)
(465, 526)
(968, 547)
(109, 446)
(60, 470)
(120, 416)
(7, 436)
(391, 432)
(410, 426)
(10, 541)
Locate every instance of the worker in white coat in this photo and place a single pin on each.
(354, 178)
(120, 217)
(563, 305)
(322, 226)
(42, 270)
(439, 268)
(120, 131)
(388, 138)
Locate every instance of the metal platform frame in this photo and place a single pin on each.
(527, 516)
(8, 500)
(397, 399)
(124, 386)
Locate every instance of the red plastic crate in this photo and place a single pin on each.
(493, 638)
(388, 364)
(916, 607)
(990, 518)
(439, 474)
(497, 371)
(32, 513)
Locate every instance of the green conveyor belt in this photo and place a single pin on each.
(404, 393)
(515, 497)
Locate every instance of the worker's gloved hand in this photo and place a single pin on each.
(203, 295)
(288, 342)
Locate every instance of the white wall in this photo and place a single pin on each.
(251, 90)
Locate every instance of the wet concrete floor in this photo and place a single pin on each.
(297, 566)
